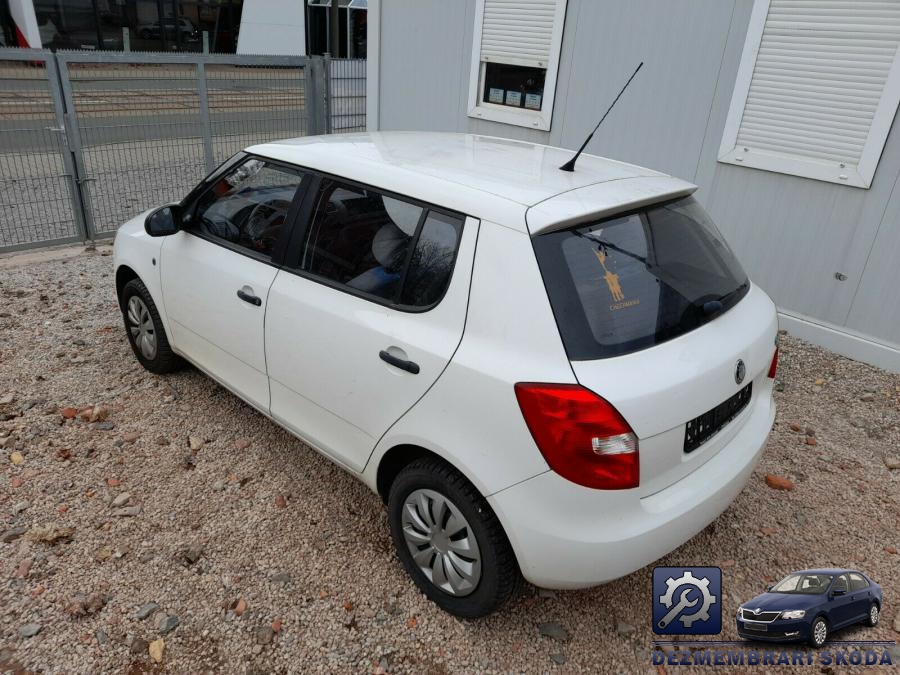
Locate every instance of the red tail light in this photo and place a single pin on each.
(773, 367)
(583, 438)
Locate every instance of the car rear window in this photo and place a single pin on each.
(635, 280)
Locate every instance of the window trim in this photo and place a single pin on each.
(860, 175)
(276, 259)
(293, 258)
(533, 119)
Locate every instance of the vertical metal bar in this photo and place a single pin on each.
(205, 123)
(206, 42)
(126, 39)
(73, 134)
(312, 87)
(55, 87)
(326, 94)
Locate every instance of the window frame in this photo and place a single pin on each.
(293, 254)
(523, 117)
(191, 201)
(860, 175)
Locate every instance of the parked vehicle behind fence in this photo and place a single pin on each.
(554, 375)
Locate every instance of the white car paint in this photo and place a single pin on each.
(318, 351)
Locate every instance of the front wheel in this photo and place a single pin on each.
(145, 331)
(450, 541)
(819, 633)
(872, 620)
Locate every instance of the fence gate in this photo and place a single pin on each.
(40, 200)
(90, 139)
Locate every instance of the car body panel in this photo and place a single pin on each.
(318, 334)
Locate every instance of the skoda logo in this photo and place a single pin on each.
(758, 609)
(740, 370)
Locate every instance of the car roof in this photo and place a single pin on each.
(483, 176)
(825, 570)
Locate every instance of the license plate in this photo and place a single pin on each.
(701, 428)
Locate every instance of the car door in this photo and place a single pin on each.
(216, 272)
(860, 596)
(840, 607)
(366, 314)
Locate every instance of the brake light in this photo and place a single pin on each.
(773, 367)
(583, 438)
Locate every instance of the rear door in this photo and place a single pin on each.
(217, 271)
(658, 318)
(366, 314)
(860, 596)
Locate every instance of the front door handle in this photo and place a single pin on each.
(249, 297)
(397, 362)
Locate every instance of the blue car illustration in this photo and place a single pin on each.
(810, 605)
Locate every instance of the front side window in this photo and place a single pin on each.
(380, 245)
(637, 280)
(248, 206)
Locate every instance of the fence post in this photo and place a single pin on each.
(205, 123)
(312, 82)
(126, 39)
(326, 93)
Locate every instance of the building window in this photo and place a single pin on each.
(816, 90)
(515, 59)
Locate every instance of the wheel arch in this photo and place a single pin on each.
(124, 274)
(393, 461)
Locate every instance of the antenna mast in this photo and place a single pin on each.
(570, 165)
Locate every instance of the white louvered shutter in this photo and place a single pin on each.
(518, 32)
(820, 76)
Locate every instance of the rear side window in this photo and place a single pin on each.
(633, 281)
(857, 582)
(379, 245)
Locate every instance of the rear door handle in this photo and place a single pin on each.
(249, 297)
(397, 362)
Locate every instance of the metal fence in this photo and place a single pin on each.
(89, 139)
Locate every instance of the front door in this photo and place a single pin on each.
(366, 315)
(840, 610)
(217, 272)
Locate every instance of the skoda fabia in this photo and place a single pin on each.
(549, 374)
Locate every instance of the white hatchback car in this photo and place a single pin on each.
(555, 375)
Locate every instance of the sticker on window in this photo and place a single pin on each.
(533, 101)
(514, 98)
(496, 95)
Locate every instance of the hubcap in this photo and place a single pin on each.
(140, 325)
(820, 632)
(441, 542)
(873, 614)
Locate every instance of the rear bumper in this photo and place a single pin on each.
(568, 536)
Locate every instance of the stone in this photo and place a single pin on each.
(218, 486)
(145, 610)
(30, 630)
(17, 458)
(191, 554)
(127, 512)
(102, 637)
(121, 500)
(18, 508)
(779, 482)
(265, 635)
(131, 436)
(242, 443)
(281, 578)
(868, 397)
(105, 426)
(156, 649)
(138, 646)
(623, 628)
(892, 463)
(166, 623)
(558, 659)
(195, 443)
(11, 535)
(553, 630)
(162, 440)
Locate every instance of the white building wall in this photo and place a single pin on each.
(792, 234)
(272, 27)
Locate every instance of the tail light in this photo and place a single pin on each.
(583, 438)
(773, 367)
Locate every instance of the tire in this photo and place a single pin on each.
(136, 303)
(493, 574)
(822, 632)
(874, 613)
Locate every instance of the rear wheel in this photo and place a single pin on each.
(819, 633)
(872, 620)
(450, 541)
(145, 330)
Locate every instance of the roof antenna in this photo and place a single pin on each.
(570, 165)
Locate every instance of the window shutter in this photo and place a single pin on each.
(822, 83)
(518, 32)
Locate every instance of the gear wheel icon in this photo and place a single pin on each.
(702, 585)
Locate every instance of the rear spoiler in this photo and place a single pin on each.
(601, 200)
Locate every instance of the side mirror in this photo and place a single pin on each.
(163, 221)
(769, 588)
(838, 590)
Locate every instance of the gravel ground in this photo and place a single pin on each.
(264, 557)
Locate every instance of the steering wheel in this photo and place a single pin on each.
(264, 223)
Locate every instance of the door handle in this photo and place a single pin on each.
(249, 297)
(397, 362)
